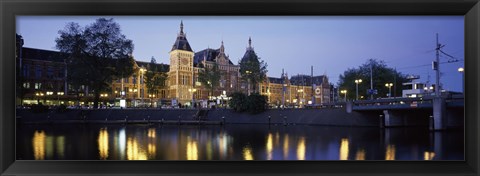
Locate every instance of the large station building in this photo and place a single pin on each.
(43, 74)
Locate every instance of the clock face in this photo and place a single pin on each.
(184, 61)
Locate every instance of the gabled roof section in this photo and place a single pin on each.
(45, 55)
(250, 54)
(207, 54)
(181, 43)
(275, 80)
(306, 80)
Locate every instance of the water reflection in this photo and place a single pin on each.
(344, 149)
(360, 154)
(242, 142)
(134, 150)
(122, 143)
(270, 146)
(301, 149)
(61, 147)
(103, 143)
(39, 145)
(192, 149)
(390, 152)
(285, 147)
(152, 147)
(247, 153)
(427, 155)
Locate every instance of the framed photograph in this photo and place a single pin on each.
(312, 88)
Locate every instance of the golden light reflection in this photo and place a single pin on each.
(390, 153)
(192, 149)
(152, 133)
(344, 150)
(49, 147)
(360, 155)
(61, 147)
(134, 151)
(247, 153)
(103, 143)
(301, 149)
(285, 147)
(151, 147)
(428, 155)
(39, 145)
(269, 146)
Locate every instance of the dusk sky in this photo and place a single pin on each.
(331, 44)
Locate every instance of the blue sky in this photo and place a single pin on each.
(331, 44)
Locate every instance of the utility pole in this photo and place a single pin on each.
(313, 89)
(283, 89)
(436, 67)
(371, 82)
(395, 83)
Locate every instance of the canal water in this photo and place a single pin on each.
(234, 142)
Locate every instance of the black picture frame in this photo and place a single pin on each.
(9, 9)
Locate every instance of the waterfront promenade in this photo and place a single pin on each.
(335, 117)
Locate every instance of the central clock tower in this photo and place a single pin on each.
(180, 76)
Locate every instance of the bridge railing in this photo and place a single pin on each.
(393, 101)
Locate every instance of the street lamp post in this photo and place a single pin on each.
(357, 81)
(142, 81)
(461, 70)
(344, 92)
(389, 85)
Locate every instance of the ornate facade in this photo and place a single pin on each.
(181, 86)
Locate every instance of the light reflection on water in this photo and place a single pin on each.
(233, 142)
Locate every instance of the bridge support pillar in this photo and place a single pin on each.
(349, 106)
(392, 119)
(439, 114)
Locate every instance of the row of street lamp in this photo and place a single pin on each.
(358, 81)
(389, 85)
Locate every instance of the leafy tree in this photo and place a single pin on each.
(381, 75)
(252, 69)
(254, 103)
(98, 54)
(210, 77)
(238, 102)
(154, 78)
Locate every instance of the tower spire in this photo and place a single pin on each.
(222, 48)
(249, 42)
(181, 27)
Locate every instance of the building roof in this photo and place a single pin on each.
(207, 54)
(250, 54)
(181, 43)
(306, 80)
(45, 55)
(159, 67)
(275, 80)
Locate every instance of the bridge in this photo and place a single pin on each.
(454, 101)
(437, 112)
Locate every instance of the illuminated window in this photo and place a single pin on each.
(38, 86)
(26, 85)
